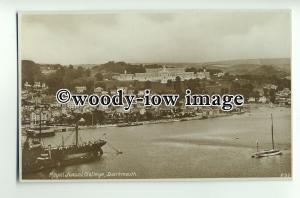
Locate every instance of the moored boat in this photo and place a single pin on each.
(44, 131)
(267, 153)
(129, 124)
(37, 157)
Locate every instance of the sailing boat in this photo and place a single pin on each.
(266, 153)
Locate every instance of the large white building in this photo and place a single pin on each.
(162, 75)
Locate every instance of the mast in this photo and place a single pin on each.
(76, 133)
(272, 132)
(62, 141)
(40, 125)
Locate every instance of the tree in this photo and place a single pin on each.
(148, 84)
(169, 83)
(213, 71)
(87, 72)
(177, 85)
(30, 72)
(255, 94)
(99, 116)
(99, 76)
(247, 90)
(149, 115)
(100, 84)
(89, 86)
(193, 84)
(235, 87)
(191, 69)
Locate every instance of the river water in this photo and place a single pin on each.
(211, 148)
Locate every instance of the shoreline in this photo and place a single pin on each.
(247, 108)
(148, 122)
(199, 117)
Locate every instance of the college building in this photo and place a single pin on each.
(162, 75)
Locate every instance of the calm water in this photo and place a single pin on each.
(218, 147)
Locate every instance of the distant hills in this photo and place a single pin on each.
(118, 67)
(280, 67)
(252, 69)
(262, 61)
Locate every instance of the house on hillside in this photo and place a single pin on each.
(80, 89)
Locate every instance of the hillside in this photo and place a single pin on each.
(268, 67)
(252, 69)
(121, 67)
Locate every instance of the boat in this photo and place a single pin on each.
(37, 157)
(43, 131)
(129, 124)
(37, 131)
(267, 153)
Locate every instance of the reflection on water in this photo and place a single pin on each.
(219, 147)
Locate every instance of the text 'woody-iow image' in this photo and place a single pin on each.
(158, 94)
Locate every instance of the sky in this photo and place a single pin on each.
(154, 36)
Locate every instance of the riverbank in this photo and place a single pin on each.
(147, 122)
(247, 108)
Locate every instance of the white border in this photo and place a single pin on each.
(11, 188)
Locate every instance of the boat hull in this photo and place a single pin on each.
(266, 153)
(39, 158)
(129, 124)
(36, 134)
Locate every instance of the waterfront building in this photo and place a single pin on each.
(37, 85)
(98, 90)
(262, 99)
(36, 116)
(283, 96)
(270, 86)
(251, 99)
(27, 85)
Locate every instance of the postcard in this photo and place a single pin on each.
(154, 95)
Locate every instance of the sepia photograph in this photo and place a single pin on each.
(154, 95)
